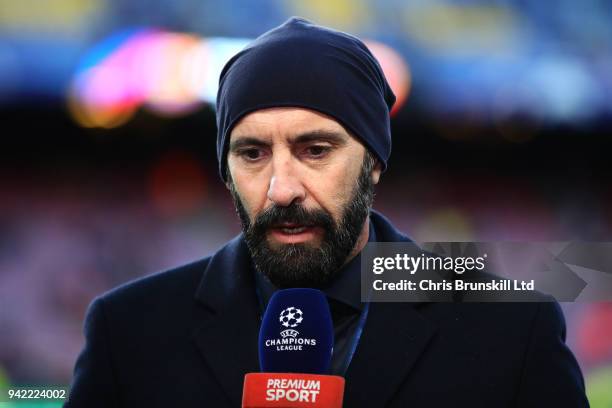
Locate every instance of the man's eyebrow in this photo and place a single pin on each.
(247, 141)
(311, 136)
(320, 136)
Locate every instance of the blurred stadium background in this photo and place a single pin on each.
(502, 131)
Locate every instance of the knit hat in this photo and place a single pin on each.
(301, 64)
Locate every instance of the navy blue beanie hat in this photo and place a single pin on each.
(300, 64)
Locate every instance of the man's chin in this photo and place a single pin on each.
(294, 265)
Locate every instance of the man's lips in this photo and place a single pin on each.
(291, 227)
(293, 232)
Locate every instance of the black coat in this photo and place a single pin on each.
(186, 337)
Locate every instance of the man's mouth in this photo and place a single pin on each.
(293, 232)
(292, 228)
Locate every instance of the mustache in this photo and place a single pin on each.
(292, 214)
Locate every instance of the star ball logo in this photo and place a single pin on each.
(290, 318)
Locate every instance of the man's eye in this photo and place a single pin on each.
(251, 154)
(317, 150)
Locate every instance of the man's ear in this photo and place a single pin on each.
(376, 172)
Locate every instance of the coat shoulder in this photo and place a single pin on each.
(165, 289)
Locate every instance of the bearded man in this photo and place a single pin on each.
(303, 138)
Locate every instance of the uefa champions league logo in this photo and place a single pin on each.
(290, 317)
(289, 341)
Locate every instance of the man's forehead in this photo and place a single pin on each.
(287, 122)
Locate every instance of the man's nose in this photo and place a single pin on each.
(285, 185)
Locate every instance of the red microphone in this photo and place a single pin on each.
(288, 390)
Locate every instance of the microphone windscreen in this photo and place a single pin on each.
(297, 334)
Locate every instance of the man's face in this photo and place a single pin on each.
(303, 192)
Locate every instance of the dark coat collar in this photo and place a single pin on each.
(228, 333)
